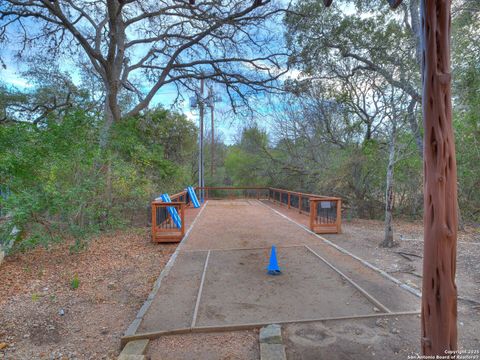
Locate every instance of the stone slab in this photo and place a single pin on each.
(271, 334)
(272, 352)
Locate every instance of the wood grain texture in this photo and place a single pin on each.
(439, 295)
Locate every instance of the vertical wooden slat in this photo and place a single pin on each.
(339, 216)
(182, 218)
(313, 213)
(154, 220)
(288, 201)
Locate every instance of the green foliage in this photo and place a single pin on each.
(160, 144)
(467, 108)
(56, 173)
(246, 163)
(75, 282)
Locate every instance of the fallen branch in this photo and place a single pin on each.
(407, 255)
(404, 256)
(410, 254)
(470, 301)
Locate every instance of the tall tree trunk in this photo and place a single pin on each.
(416, 30)
(111, 115)
(439, 294)
(388, 238)
(109, 119)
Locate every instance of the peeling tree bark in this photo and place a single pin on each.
(439, 296)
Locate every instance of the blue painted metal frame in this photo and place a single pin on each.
(172, 211)
(193, 197)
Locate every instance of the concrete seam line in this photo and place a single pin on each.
(339, 248)
(353, 283)
(247, 326)
(200, 289)
(242, 249)
(132, 329)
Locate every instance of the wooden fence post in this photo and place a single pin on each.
(154, 220)
(339, 216)
(182, 218)
(313, 213)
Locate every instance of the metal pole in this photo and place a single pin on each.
(212, 150)
(201, 182)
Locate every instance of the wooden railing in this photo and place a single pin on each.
(182, 196)
(326, 215)
(324, 211)
(231, 192)
(164, 228)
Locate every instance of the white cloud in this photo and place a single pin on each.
(10, 77)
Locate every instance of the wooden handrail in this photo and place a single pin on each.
(317, 224)
(232, 188)
(302, 194)
(177, 195)
(321, 221)
(171, 203)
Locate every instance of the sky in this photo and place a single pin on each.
(166, 96)
(226, 124)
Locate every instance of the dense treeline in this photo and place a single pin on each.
(355, 172)
(56, 178)
(350, 125)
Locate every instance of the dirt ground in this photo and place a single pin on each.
(362, 237)
(245, 224)
(376, 338)
(115, 275)
(237, 289)
(237, 345)
(117, 271)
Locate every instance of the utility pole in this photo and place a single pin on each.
(201, 180)
(212, 150)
